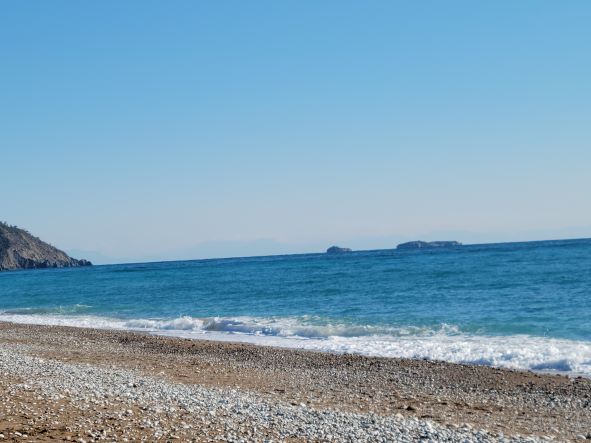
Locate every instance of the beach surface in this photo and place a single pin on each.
(62, 383)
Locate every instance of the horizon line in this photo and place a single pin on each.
(325, 253)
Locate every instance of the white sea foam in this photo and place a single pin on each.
(446, 343)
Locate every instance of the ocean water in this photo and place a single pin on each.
(515, 305)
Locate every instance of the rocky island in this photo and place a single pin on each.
(338, 250)
(418, 244)
(21, 250)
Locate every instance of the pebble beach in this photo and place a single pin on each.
(75, 384)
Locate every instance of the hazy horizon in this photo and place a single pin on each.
(143, 131)
(262, 247)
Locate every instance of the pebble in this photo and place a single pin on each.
(94, 402)
(241, 415)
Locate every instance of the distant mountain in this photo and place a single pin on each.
(428, 245)
(20, 250)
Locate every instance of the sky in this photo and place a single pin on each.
(153, 130)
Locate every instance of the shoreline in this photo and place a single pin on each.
(457, 399)
(543, 355)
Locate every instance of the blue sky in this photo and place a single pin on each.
(159, 130)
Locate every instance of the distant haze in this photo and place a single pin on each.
(134, 131)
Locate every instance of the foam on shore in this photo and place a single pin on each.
(445, 343)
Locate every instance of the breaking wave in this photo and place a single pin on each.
(446, 342)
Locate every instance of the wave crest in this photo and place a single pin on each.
(446, 342)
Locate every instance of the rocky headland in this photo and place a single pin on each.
(21, 250)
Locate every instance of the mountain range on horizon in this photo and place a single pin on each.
(21, 250)
(267, 247)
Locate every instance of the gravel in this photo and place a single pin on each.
(87, 403)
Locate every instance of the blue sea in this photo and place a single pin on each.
(514, 305)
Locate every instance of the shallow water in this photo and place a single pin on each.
(519, 305)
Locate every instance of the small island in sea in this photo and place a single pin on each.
(21, 250)
(338, 250)
(419, 244)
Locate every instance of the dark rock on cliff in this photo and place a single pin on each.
(20, 250)
(337, 250)
(428, 245)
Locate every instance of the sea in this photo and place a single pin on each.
(512, 305)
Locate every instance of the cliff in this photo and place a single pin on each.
(20, 250)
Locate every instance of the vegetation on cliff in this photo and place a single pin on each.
(21, 250)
